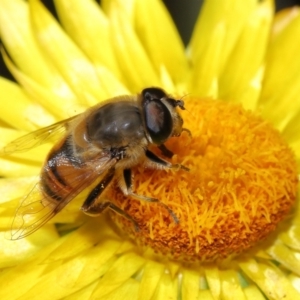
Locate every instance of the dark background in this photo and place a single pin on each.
(183, 12)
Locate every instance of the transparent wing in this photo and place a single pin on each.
(35, 209)
(38, 137)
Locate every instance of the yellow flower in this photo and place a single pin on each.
(238, 235)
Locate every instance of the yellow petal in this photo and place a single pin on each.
(25, 275)
(233, 13)
(125, 266)
(73, 274)
(57, 106)
(9, 191)
(126, 7)
(8, 282)
(291, 237)
(242, 76)
(270, 280)
(292, 128)
(296, 148)
(295, 280)
(205, 295)
(283, 18)
(162, 43)
(253, 292)
(12, 191)
(204, 76)
(230, 285)
(64, 54)
(18, 39)
(282, 76)
(167, 288)
(110, 83)
(20, 164)
(286, 256)
(89, 28)
(152, 273)
(15, 168)
(127, 291)
(19, 111)
(14, 252)
(137, 69)
(216, 32)
(213, 280)
(82, 270)
(84, 293)
(35, 156)
(190, 284)
(82, 240)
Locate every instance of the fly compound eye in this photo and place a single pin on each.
(150, 94)
(158, 119)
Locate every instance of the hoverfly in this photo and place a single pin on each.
(102, 143)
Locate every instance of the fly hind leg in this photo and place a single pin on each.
(126, 186)
(93, 208)
(155, 161)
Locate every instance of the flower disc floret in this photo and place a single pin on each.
(242, 182)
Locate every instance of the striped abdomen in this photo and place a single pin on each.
(63, 174)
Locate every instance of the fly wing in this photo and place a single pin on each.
(35, 209)
(38, 137)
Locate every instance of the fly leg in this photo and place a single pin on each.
(159, 163)
(165, 151)
(90, 205)
(127, 190)
(93, 208)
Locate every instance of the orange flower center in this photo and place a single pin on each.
(242, 182)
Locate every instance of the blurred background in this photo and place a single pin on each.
(184, 14)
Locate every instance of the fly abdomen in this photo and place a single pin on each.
(57, 178)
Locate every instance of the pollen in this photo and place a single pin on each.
(241, 183)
